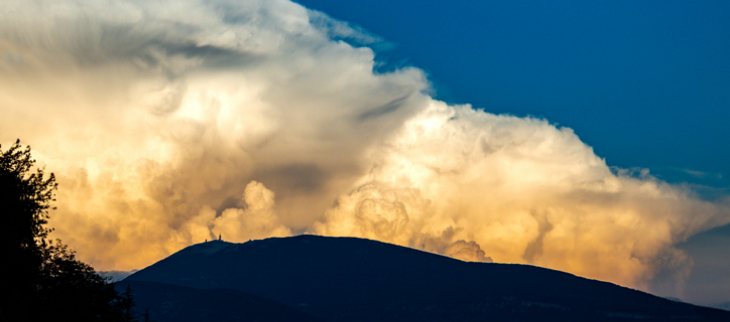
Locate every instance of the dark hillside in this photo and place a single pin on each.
(351, 279)
(172, 303)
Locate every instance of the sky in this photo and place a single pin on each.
(587, 138)
(645, 84)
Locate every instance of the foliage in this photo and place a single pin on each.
(43, 279)
(126, 304)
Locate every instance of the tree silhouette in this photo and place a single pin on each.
(146, 316)
(42, 279)
(24, 200)
(126, 304)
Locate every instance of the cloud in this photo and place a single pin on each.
(525, 191)
(169, 122)
(255, 220)
(258, 220)
(151, 112)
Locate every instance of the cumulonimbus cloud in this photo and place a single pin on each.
(171, 122)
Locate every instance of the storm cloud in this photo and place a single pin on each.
(171, 122)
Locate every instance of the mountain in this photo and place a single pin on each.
(352, 279)
(115, 276)
(182, 304)
(724, 306)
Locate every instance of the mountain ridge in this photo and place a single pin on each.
(353, 279)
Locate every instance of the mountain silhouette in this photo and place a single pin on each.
(352, 279)
(182, 304)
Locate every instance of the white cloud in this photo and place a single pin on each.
(525, 192)
(157, 116)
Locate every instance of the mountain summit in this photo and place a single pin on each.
(350, 279)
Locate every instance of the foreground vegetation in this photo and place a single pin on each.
(43, 280)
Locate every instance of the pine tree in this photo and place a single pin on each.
(146, 316)
(126, 304)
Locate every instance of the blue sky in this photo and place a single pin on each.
(645, 83)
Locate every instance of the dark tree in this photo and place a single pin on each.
(71, 290)
(42, 279)
(25, 197)
(146, 316)
(126, 304)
